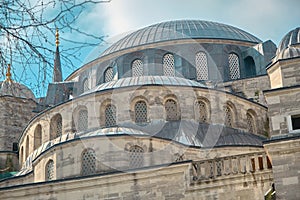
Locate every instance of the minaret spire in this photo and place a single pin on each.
(8, 74)
(57, 73)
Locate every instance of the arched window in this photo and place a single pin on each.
(85, 85)
(201, 66)
(88, 162)
(251, 126)
(140, 112)
(250, 66)
(137, 68)
(168, 65)
(234, 66)
(172, 112)
(21, 154)
(136, 157)
(108, 74)
(110, 115)
(49, 171)
(202, 109)
(27, 147)
(37, 136)
(55, 126)
(228, 121)
(82, 120)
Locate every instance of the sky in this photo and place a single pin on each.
(266, 19)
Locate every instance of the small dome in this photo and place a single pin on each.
(290, 39)
(181, 29)
(289, 47)
(10, 88)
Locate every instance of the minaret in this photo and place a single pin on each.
(8, 74)
(57, 73)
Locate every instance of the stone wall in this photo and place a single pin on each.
(250, 88)
(170, 182)
(15, 114)
(285, 156)
(281, 104)
(155, 96)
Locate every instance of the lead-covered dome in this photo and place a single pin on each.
(10, 88)
(292, 38)
(289, 47)
(181, 29)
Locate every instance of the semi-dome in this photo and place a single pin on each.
(181, 29)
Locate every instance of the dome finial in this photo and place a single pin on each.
(8, 74)
(57, 37)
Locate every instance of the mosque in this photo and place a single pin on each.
(185, 109)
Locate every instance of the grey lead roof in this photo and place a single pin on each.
(145, 80)
(181, 29)
(291, 38)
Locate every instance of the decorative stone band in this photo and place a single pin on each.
(219, 168)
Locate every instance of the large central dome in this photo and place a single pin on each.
(181, 29)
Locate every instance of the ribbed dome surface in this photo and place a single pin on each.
(181, 29)
(290, 39)
(10, 88)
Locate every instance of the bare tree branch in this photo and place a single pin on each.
(27, 32)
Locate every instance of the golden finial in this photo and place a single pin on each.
(57, 37)
(8, 74)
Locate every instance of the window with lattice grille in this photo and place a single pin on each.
(56, 127)
(108, 74)
(85, 85)
(88, 162)
(140, 111)
(136, 156)
(172, 113)
(168, 65)
(250, 123)
(219, 166)
(110, 116)
(49, 170)
(234, 66)
(202, 110)
(137, 68)
(228, 116)
(37, 136)
(201, 66)
(82, 120)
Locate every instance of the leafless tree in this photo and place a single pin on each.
(27, 36)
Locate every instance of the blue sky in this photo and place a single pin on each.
(266, 19)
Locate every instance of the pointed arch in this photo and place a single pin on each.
(56, 126)
(172, 110)
(251, 121)
(229, 112)
(49, 170)
(202, 110)
(37, 136)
